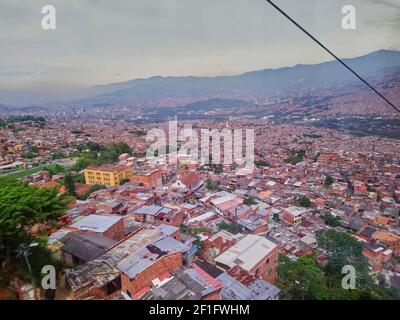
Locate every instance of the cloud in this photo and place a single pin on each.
(17, 72)
(391, 19)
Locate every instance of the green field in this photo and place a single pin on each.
(23, 173)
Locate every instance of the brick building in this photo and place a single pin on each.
(293, 215)
(157, 214)
(254, 254)
(151, 178)
(112, 227)
(138, 271)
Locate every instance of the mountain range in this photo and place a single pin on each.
(264, 82)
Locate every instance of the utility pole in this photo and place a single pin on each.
(24, 250)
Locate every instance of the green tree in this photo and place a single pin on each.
(261, 163)
(249, 201)
(210, 185)
(304, 202)
(123, 181)
(54, 169)
(21, 207)
(69, 184)
(328, 181)
(331, 220)
(342, 249)
(230, 227)
(30, 155)
(301, 279)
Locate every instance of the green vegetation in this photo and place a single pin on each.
(233, 227)
(211, 186)
(217, 168)
(96, 154)
(16, 119)
(331, 220)
(261, 163)
(250, 201)
(301, 280)
(138, 132)
(53, 169)
(185, 229)
(328, 181)
(21, 207)
(312, 136)
(69, 184)
(30, 155)
(11, 120)
(194, 231)
(123, 181)
(303, 201)
(201, 230)
(57, 155)
(305, 279)
(90, 191)
(296, 157)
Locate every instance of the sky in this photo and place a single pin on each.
(102, 41)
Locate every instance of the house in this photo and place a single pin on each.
(110, 226)
(258, 288)
(80, 247)
(233, 289)
(169, 231)
(192, 181)
(254, 254)
(169, 244)
(100, 277)
(186, 284)
(389, 239)
(355, 224)
(138, 270)
(217, 244)
(293, 215)
(148, 178)
(157, 214)
(377, 255)
(329, 159)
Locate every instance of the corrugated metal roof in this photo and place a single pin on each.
(247, 253)
(96, 222)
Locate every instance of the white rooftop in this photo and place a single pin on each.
(223, 199)
(247, 253)
(202, 217)
(296, 211)
(97, 223)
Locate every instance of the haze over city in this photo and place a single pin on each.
(101, 42)
(154, 151)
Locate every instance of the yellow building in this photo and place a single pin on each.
(106, 175)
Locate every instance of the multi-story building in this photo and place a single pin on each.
(293, 215)
(150, 178)
(106, 175)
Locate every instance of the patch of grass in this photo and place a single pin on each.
(27, 172)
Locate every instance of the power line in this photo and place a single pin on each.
(332, 54)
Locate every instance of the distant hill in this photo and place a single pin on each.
(263, 82)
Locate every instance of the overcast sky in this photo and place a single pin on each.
(104, 41)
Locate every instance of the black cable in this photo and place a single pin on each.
(332, 54)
